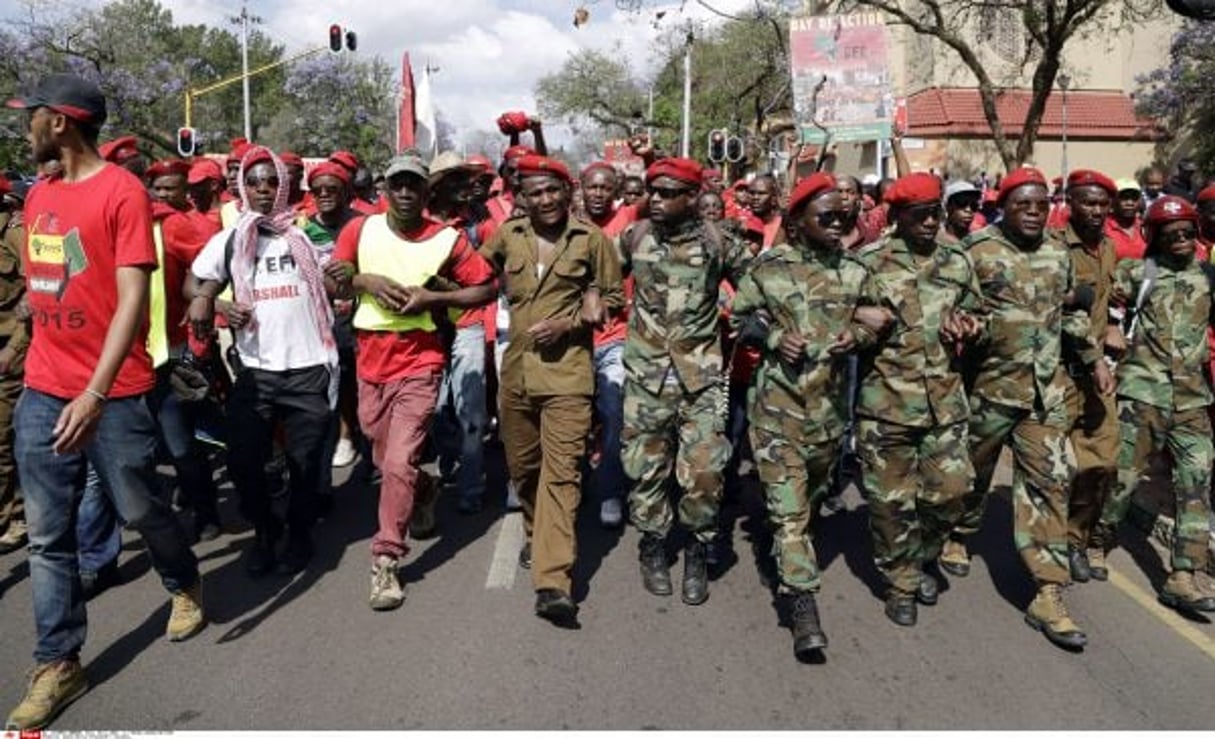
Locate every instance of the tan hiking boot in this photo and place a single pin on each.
(954, 558)
(14, 537)
(387, 592)
(1097, 567)
(1048, 614)
(1181, 593)
(187, 617)
(52, 687)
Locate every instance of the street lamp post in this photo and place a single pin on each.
(1064, 82)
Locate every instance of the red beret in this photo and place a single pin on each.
(239, 151)
(1084, 177)
(290, 157)
(516, 151)
(1169, 208)
(346, 159)
(119, 150)
(917, 187)
(516, 121)
(203, 170)
(588, 169)
(534, 165)
(1017, 178)
(677, 168)
(807, 189)
(1207, 193)
(480, 161)
(168, 167)
(329, 169)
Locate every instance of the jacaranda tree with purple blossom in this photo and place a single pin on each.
(1182, 93)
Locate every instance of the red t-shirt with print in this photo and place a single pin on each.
(385, 356)
(77, 236)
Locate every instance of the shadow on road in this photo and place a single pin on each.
(994, 544)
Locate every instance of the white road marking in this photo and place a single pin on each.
(505, 563)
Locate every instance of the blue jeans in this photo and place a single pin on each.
(98, 535)
(123, 452)
(609, 406)
(460, 419)
(176, 421)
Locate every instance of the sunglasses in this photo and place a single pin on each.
(964, 203)
(924, 212)
(255, 181)
(1177, 237)
(828, 217)
(668, 193)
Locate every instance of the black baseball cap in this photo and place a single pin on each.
(74, 97)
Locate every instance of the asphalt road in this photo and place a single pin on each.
(465, 650)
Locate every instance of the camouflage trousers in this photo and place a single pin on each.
(1146, 429)
(1043, 465)
(914, 480)
(1094, 437)
(796, 476)
(674, 431)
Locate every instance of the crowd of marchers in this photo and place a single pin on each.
(656, 332)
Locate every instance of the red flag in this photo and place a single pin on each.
(405, 113)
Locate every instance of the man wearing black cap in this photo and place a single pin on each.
(88, 256)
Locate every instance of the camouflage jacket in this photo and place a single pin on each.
(673, 321)
(813, 293)
(1166, 357)
(1020, 363)
(13, 332)
(908, 376)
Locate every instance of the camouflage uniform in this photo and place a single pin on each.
(1093, 416)
(798, 415)
(14, 334)
(912, 411)
(1019, 394)
(1163, 397)
(673, 396)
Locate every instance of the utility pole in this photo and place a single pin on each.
(687, 98)
(244, 61)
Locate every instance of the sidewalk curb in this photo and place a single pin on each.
(1159, 528)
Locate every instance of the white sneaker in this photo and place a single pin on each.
(344, 454)
(611, 513)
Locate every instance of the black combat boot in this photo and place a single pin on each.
(655, 573)
(900, 607)
(695, 574)
(808, 636)
(1077, 562)
(260, 557)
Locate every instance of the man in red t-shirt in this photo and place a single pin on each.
(1123, 226)
(179, 233)
(206, 183)
(600, 184)
(88, 254)
(401, 263)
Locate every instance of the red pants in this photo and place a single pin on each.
(396, 418)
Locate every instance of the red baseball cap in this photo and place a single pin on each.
(203, 170)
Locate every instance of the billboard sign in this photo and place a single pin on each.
(841, 77)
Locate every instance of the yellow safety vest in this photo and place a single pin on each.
(229, 214)
(158, 335)
(381, 252)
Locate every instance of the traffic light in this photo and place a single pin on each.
(341, 39)
(734, 149)
(1200, 9)
(186, 141)
(717, 145)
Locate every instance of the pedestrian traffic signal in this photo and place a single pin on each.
(352, 41)
(717, 145)
(186, 141)
(335, 38)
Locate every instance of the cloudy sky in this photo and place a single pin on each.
(490, 53)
